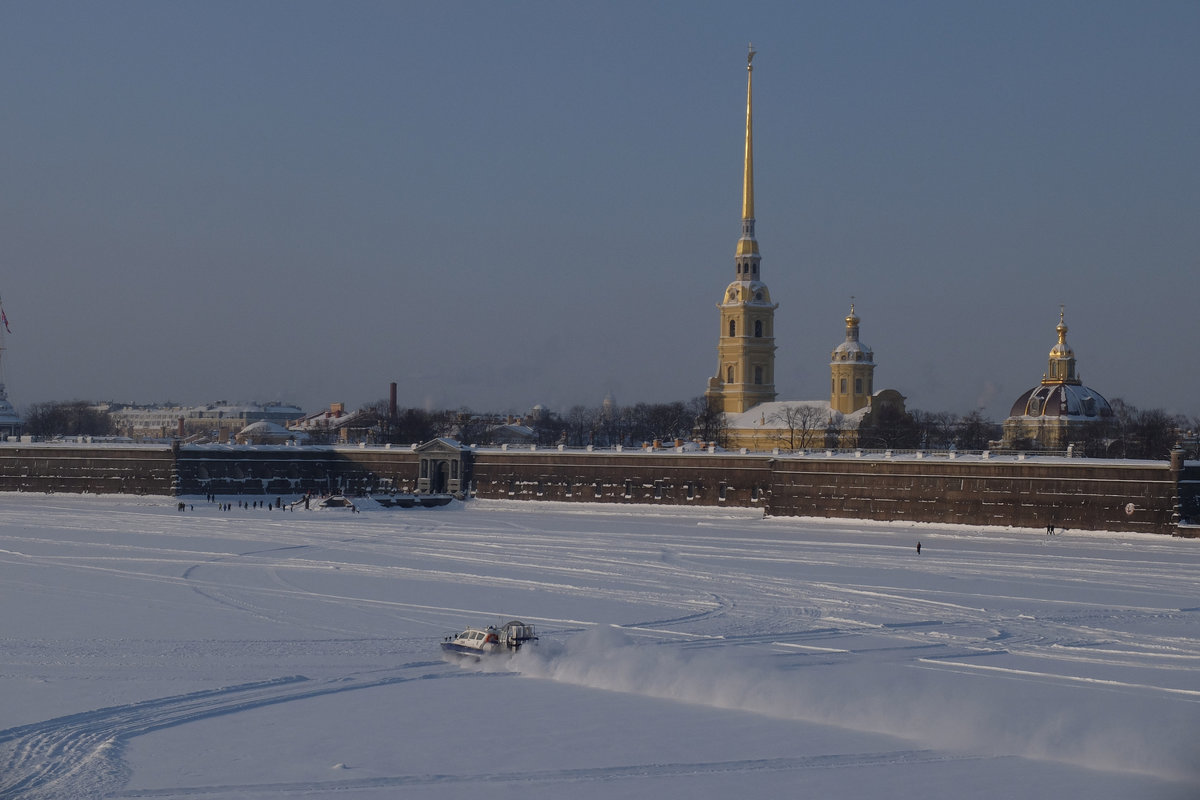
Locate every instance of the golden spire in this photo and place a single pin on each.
(747, 248)
(748, 171)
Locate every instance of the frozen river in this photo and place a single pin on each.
(148, 652)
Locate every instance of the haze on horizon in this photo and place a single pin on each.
(498, 205)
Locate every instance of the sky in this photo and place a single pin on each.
(497, 205)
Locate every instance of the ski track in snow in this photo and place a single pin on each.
(79, 755)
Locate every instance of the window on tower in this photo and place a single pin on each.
(729, 375)
(858, 385)
(843, 385)
(758, 328)
(758, 376)
(733, 327)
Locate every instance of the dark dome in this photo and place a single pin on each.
(1061, 400)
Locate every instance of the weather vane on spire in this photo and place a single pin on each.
(750, 56)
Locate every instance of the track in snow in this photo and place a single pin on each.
(80, 754)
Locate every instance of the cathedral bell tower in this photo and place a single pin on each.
(746, 348)
(852, 369)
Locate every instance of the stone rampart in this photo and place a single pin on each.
(98, 468)
(974, 489)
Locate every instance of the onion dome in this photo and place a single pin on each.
(852, 349)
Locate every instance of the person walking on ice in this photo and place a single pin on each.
(918, 548)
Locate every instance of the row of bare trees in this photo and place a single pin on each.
(580, 426)
(71, 418)
(1140, 433)
(1129, 433)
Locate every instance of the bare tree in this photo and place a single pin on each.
(73, 418)
(975, 431)
(581, 425)
(801, 426)
(709, 422)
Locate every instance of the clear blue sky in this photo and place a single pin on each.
(503, 204)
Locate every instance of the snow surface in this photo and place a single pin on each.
(148, 652)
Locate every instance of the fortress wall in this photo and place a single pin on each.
(1081, 494)
(1069, 493)
(609, 477)
(281, 469)
(97, 468)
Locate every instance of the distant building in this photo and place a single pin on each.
(11, 423)
(216, 422)
(335, 425)
(1058, 411)
(263, 432)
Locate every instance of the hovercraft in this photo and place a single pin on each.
(478, 642)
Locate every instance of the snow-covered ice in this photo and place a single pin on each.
(147, 652)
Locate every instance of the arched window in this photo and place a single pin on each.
(758, 328)
(843, 384)
(733, 327)
(729, 375)
(758, 376)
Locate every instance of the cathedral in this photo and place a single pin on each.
(744, 386)
(1058, 411)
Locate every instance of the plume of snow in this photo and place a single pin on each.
(923, 703)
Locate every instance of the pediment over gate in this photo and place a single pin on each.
(442, 445)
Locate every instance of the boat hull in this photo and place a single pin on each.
(454, 648)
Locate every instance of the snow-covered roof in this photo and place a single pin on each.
(752, 293)
(853, 350)
(1061, 400)
(325, 420)
(264, 427)
(802, 413)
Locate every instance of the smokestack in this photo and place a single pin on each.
(392, 401)
(179, 429)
